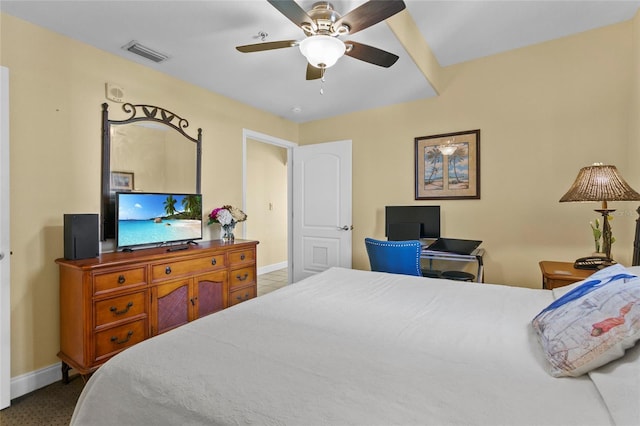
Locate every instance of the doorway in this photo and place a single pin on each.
(267, 199)
(319, 236)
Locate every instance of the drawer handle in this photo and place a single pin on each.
(167, 270)
(213, 261)
(242, 256)
(193, 301)
(242, 278)
(114, 339)
(121, 279)
(240, 298)
(124, 311)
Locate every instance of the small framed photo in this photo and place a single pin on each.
(448, 166)
(122, 181)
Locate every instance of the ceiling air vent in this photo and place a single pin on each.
(135, 47)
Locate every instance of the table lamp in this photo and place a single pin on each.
(603, 183)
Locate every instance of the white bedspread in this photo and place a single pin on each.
(348, 347)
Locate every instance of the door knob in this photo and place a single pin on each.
(346, 228)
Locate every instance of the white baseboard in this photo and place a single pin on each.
(28, 382)
(272, 267)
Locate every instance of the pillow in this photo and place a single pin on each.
(592, 324)
(558, 292)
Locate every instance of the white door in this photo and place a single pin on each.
(5, 306)
(321, 208)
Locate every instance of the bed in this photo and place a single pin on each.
(350, 347)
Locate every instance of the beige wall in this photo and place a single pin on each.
(57, 87)
(544, 112)
(633, 173)
(267, 200)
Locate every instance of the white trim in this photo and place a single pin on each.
(29, 382)
(5, 245)
(262, 137)
(272, 267)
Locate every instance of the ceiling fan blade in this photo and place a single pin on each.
(370, 13)
(270, 45)
(370, 54)
(294, 12)
(313, 73)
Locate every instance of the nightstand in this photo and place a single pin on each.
(558, 274)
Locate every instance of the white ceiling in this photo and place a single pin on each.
(200, 39)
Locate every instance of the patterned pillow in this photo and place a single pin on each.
(592, 324)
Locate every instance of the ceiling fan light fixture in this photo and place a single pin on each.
(322, 51)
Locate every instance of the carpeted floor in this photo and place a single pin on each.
(51, 405)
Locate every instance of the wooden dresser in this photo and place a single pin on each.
(116, 300)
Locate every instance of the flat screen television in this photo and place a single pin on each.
(427, 216)
(149, 218)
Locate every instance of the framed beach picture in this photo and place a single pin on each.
(448, 166)
(121, 181)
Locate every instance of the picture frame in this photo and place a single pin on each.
(122, 181)
(447, 166)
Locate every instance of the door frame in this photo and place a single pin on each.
(5, 250)
(289, 146)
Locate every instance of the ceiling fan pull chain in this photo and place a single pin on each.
(322, 80)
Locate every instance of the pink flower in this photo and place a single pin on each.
(226, 215)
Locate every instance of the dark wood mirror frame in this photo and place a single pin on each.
(136, 113)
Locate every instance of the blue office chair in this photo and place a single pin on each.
(396, 257)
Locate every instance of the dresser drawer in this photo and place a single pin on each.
(242, 277)
(169, 270)
(120, 308)
(118, 338)
(117, 280)
(242, 256)
(241, 295)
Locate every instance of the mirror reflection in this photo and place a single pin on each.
(151, 157)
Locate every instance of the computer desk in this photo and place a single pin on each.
(474, 256)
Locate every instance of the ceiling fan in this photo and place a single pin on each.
(323, 27)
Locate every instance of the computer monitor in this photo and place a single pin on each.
(403, 231)
(427, 216)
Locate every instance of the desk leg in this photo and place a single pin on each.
(480, 277)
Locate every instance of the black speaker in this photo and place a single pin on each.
(80, 236)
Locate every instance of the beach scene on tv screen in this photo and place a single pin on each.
(156, 218)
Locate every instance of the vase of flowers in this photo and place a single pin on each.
(227, 216)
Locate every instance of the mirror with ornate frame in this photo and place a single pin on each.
(149, 151)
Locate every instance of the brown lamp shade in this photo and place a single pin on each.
(600, 183)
